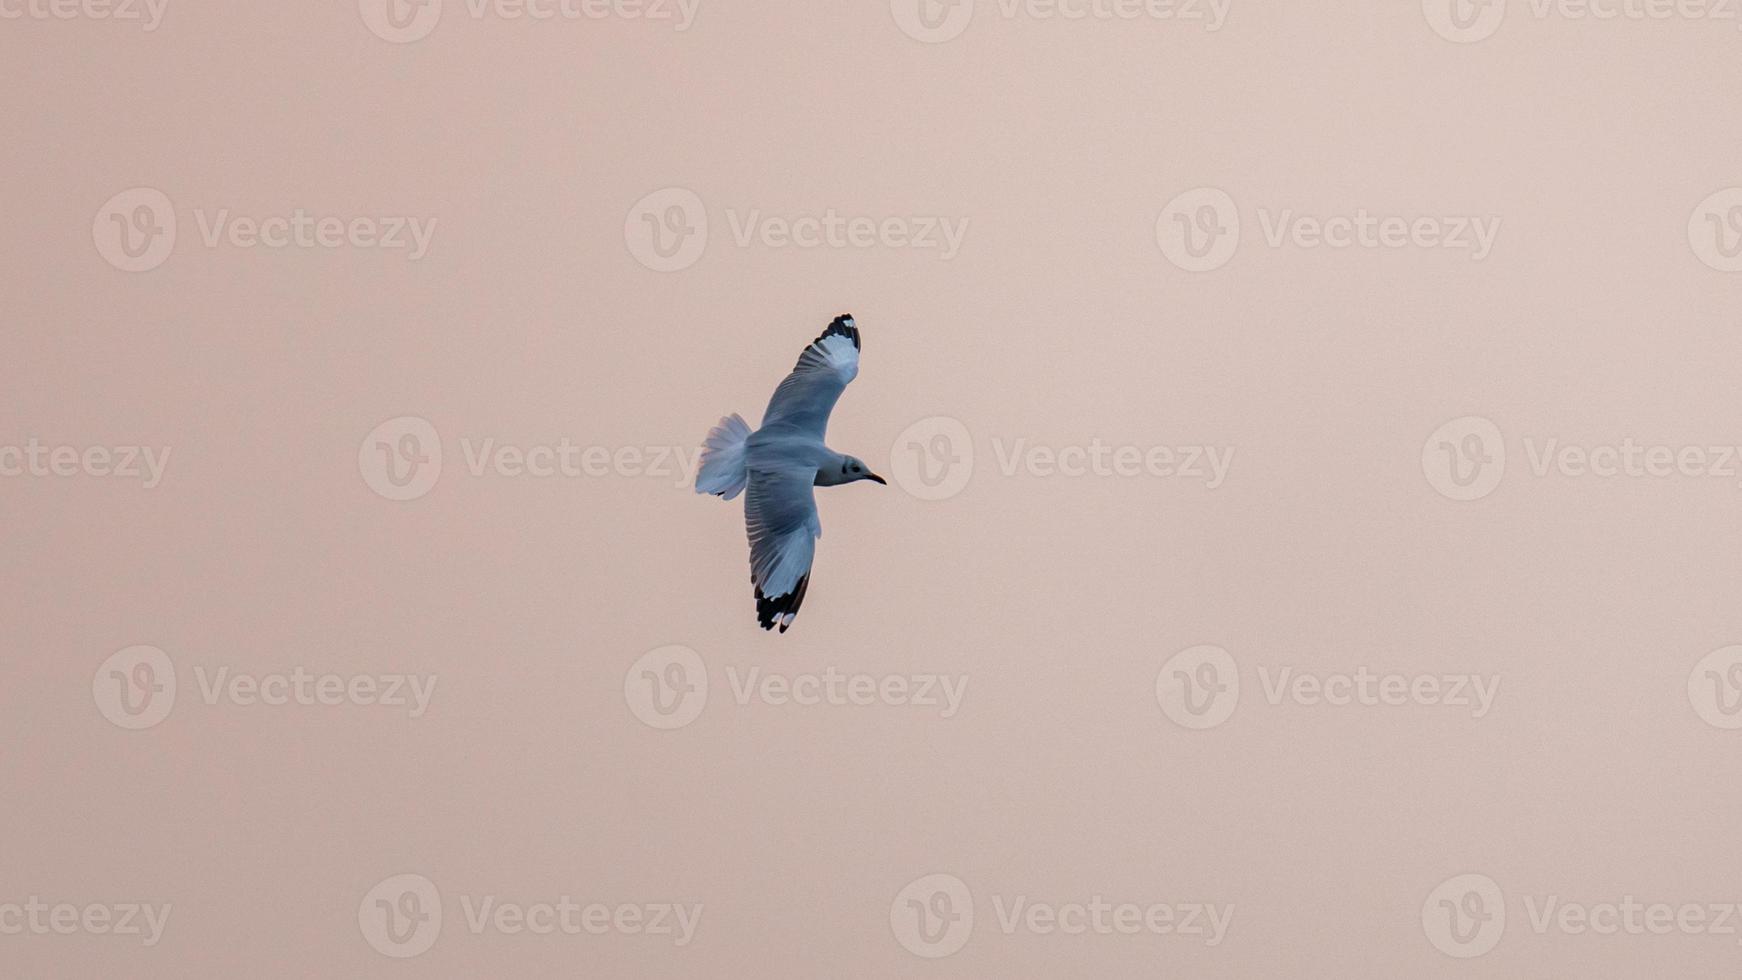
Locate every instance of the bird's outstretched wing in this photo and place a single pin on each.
(780, 512)
(807, 396)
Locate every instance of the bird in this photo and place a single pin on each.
(778, 466)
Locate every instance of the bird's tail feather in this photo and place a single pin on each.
(723, 472)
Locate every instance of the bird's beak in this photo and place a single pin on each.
(880, 481)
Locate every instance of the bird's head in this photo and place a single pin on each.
(853, 469)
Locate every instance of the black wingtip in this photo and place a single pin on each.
(780, 609)
(843, 326)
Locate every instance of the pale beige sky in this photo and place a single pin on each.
(1310, 546)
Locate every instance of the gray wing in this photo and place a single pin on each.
(807, 396)
(780, 512)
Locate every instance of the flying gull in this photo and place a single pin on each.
(780, 463)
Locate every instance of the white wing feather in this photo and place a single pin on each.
(807, 396)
